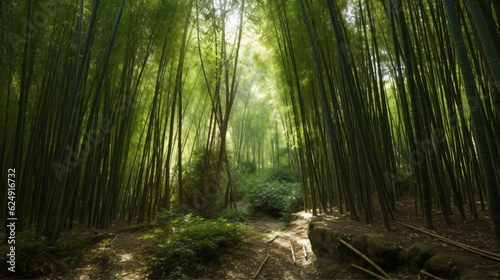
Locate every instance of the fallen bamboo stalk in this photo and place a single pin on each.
(365, 258)
(293, 252)
(114, 239)
(453, 242)
(261, 265)
(368, 272)
(272, 239)
(430, 275)
(305, 253)
(481, 252)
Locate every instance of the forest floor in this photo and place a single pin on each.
(272, 249)
(477, 233)
(123, 255)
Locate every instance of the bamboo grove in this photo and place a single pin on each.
(106, 105)
(392, 96)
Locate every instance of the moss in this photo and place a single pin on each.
(462, 262)
(333, 257)
(418, 255)
(459, 265)
(471, 274)
(439, 264)
(324, 244)
(370, 245)
(385, 256)
(455, 267)
(328, 268)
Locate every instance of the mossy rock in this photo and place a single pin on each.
(454, 267)
(462, 262)
(328, 268)
(471, 274)
(440, 265)
(325, 245)
(383, 255)
(418, 255)
(459, 265)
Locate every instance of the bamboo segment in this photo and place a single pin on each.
(260, 267)
(430, 275)
(293, 252)
(367, 271)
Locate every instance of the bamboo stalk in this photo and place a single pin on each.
(367, 271)
(305, 253)
(365, 258)
(260, 267)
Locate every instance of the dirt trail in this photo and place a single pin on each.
(244, 261)
(124, 256)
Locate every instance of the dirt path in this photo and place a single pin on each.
(244, 261)
(125, 255)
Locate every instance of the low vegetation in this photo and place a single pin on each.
(276, 192)
(36, 256)
(184, 244)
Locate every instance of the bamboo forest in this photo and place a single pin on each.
(250, 139)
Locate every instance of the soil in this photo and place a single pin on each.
(128, 254)
(274, 244)
(121, 256)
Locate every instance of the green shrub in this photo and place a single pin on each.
(247, 167)
(232, 215)
(282, 174)
(276, 193)
(34, 255)
(187, 243)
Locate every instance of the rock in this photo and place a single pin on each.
(472, 275)
(439, 264)
(418, 255)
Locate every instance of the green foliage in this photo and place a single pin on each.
(199, 173)
(105, 257)
(232, 215)
(187, 243)
(34, 255)
(248, 167)
(276, 193)
(282, 175)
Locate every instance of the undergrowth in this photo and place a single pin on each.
(184, 244)
(277, 192)
(35, 256)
